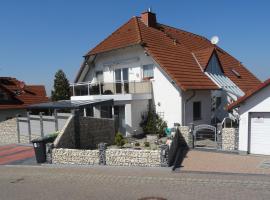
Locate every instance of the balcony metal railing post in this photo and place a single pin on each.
(88, 88)
(99, 86)
(134, 87)
(73, 90)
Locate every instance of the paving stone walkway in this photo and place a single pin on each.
(17, 154)
(207, 161)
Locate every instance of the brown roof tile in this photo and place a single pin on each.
(173, 50)
(249, 94)
(29, 94)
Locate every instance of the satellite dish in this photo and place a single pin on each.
(214, 39)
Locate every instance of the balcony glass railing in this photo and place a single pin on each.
(110, 88)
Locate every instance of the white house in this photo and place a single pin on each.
(254, 120)
(184, 75)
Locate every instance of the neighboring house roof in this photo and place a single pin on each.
(21, 95)
(174, 49)
(249, 94)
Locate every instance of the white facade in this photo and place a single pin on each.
(254, 124)
(171, 103)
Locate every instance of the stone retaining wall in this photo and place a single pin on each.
(113, 157)
(187, 136)
(131, 157)
(66, 138)
(8, 133)
(75, 156)
(92, 132)
(95, 131)
(229, 139)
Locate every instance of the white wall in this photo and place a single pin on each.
(260, 102)
(138, 107)
(132, 57)
(167, 97)
(204, 96)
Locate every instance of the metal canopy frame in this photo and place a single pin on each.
(71, 104)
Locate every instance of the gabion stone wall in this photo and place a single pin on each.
(111, 157)
(187, 136)
(229, 139)
(131, 157)
(75, 156)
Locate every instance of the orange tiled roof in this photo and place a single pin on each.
(249, 94)
(173, 50)
(21, 95)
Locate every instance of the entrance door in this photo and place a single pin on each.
(121, 80)
(120, 112)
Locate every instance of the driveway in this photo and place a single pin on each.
(17, 154)
(204, 161)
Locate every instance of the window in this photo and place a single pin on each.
(218, 102)
(99, 76)
(196, 110)
(148, 71)
(236, 73)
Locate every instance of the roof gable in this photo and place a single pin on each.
(249, 94)
(173, 50)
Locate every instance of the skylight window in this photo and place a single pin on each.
(236, 73)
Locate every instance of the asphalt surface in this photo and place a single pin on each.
(84, 182)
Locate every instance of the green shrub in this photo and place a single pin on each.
(152, 123)
(119, 140)
(146, 144)
(51, 137)
(137, 144)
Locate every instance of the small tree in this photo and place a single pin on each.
(152, 123)
(61, 87)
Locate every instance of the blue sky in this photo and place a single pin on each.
(38, 37)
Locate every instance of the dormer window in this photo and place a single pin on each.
(236, 73)
(213, 66)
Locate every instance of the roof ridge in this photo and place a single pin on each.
(194, 34)
(139, 29)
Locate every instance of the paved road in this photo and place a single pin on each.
(66, 182)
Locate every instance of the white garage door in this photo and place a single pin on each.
(260, 133)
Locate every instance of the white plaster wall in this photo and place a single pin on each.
(166, 97)
(204, 96)
(128, 119)
(135, 67)
(138, 107)
(260, 102)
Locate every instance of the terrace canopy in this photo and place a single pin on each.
(71, 104)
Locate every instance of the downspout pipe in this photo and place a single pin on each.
(186, 101)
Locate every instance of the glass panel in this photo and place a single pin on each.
(118, 84)
(148, 71)
(125, 79)
(99, 76)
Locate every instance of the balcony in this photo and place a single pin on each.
(111, 88)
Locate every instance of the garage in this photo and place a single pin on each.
(253, 111)
(260, 133)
